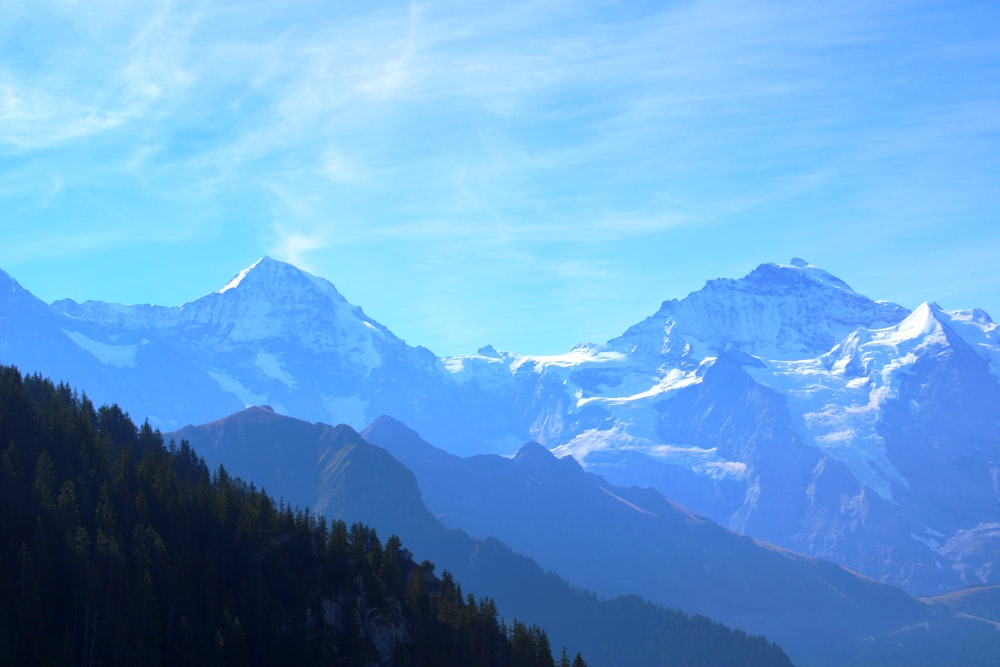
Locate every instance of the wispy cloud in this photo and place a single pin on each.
(85, 71)
(294, 246)
(523, 136)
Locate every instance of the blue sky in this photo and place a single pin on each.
(529, 175)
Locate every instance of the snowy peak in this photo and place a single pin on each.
(796, 278)
(271, 299)
(928, 327)
(273, 279)
(798, 269)
(235, 282)
(777, 311)
(266, 290)
(926, 323)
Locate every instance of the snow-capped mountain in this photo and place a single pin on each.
(273, 335)
(790, 407)
(609, 539)
(783, 404)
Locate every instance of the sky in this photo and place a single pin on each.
(523, 174)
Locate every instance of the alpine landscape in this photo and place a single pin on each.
(466, 333)
(776, 452)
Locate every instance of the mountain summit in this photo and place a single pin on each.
(278, 281)
(778, 311)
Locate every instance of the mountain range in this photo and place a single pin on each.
(337, 474)
(609, 539)
(782, 405)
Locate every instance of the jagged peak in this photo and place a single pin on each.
(770, 277)
(800, 268)
(927, 319)
(267, 273)
(271, 279)
(777, 311)
(930, 327)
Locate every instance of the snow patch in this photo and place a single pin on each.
(591, 440)
(704, 461)
(839, 394)
(674, 379)
(271, 367)
(700, 460)
(817, 274)
(579, 355)
(367, 354)
(235, 282)
(838, 414)
(488, 368)
(738, 521)
(119, 356)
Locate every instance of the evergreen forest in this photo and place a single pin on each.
(119, 549)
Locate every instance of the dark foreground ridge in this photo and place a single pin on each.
(120, 550)
(124, 550)
(334, 470)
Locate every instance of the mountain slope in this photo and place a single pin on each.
(551, 510)
(31, 336)
(361, 482)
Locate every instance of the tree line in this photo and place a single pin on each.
(118, 548)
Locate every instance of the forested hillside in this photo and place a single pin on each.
(118, 549)
(341, 476)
